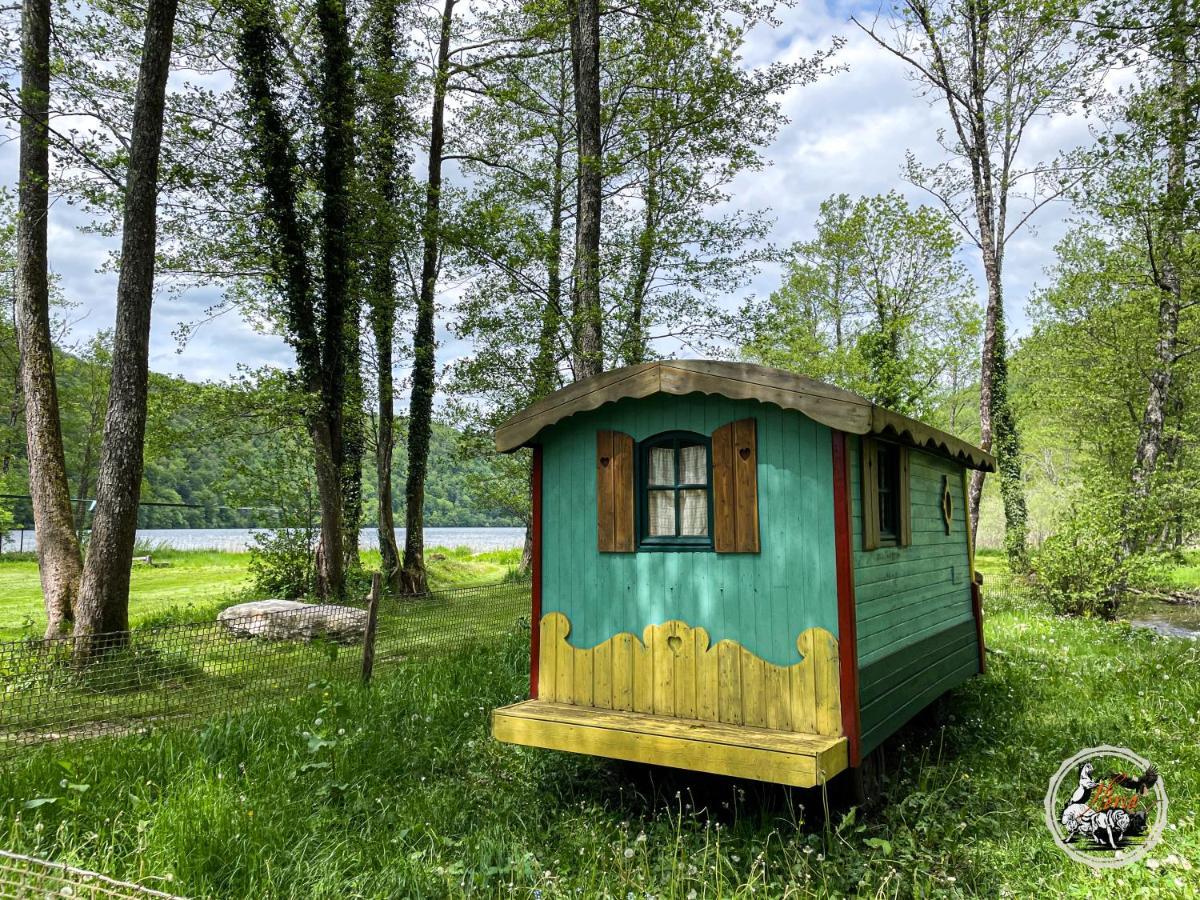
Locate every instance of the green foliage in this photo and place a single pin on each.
(1082, 421)
(282, 562)
(1111, 374)
(878, 303)
(6, 517)
(684, 117)
(1081, 570)
(235, 455)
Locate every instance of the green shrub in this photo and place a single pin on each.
(281, 561)
(1081, 569)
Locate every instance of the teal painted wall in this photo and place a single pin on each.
(763, 601)
(915, 628)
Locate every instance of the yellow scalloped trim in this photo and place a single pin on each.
(674, 670)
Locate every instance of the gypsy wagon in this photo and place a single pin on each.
(739, 570)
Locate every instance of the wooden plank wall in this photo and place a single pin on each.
(763, 600)
(915, 630)
(674, 670)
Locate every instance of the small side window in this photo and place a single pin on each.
(888, 494)
(675, 492)
(886, 512)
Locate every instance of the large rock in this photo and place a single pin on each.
(290, 620)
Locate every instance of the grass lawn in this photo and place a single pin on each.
(1186, 574)
(187, 585)
(202, 580)
(1182, 572)
(991, 562)
(397, 791)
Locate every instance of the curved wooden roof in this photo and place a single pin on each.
(832, 406)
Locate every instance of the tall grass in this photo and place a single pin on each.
(398, 791)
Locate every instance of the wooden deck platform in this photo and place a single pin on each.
(762, 754)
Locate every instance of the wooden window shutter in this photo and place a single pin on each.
(870, 494)
(905, 501)
(735, 487)
(614, 492)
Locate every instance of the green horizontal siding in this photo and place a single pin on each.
(763, 601)
(897, 687)
(915, 627)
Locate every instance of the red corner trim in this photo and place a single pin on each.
(535, 614)
(847, 617)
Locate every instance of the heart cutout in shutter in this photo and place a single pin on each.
(675, 643)
(744, 453)
(604, 462)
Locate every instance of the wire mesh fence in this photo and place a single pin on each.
(131, 681)
(27, 878)
(1005, 588)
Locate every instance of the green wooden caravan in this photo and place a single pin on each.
(739, 570)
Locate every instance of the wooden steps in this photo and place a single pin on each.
(739, 751)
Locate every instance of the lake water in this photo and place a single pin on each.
(234, 539)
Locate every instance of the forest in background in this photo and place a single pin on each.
(210, 451)
(880, 302)
(553, 184)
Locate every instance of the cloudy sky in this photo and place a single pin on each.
(848, 133)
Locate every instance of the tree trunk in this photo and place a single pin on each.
(636, 349)
(587, 314)
(354, 431)
(59, 561)
(340, 355)
(259, 51)
(998, 432)
(1181, 127)
(413, 577)
(997, 426)
(545, 363)
(1006, 446)
(330, 571)
(104, 593)
(384, 157)
(389, 552)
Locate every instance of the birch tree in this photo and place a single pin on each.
(1142, 184)
(386, 84)
(996, 66)
(103, 604)
(60, 562)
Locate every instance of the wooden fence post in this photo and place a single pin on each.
(368, 659)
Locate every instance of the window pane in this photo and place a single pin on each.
(889, 476)
(662, 465)
(662, 513)
(693, 512)
(693, 464)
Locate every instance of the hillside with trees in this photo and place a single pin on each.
(211, 454)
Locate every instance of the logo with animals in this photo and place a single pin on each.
(1106, 807)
